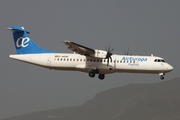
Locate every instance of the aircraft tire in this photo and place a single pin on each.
(91, 74)
(101, 76)
(162, 77)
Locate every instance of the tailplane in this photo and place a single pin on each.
(23, 44)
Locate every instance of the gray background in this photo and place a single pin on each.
(145, 27)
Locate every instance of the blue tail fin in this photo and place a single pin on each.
(23, 44)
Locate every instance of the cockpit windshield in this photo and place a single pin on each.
(159, 60)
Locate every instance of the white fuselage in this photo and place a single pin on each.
(76, 62)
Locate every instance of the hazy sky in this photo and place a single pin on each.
(146, 27)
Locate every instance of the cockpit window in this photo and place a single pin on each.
(163, 60)
(159, 60)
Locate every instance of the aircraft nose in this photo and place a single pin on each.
(170, 67)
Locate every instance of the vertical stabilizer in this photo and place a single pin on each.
(23, 44)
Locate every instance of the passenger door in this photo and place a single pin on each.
(49, 61)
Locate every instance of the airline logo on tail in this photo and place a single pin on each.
(22, 42)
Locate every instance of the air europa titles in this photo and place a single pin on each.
(134, 59)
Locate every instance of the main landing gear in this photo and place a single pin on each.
(92, 74)
(162, 76)
(100, 76)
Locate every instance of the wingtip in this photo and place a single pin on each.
(66, 41)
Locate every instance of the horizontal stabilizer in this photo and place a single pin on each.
(18, 29)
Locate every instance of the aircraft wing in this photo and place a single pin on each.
(82, 50)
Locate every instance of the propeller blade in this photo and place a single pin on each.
(109, 53)
(128, 51)
(108, 62)
(109, 48)
(110, 58)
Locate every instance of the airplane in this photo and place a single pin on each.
(84, 59)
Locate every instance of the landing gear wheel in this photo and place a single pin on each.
(101, 76)
(162, 77)
(91, 74)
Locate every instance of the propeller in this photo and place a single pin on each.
(108, 55)
(127, 52)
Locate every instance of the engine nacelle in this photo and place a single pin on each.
(100, 54)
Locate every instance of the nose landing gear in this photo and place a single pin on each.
(162, 76)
